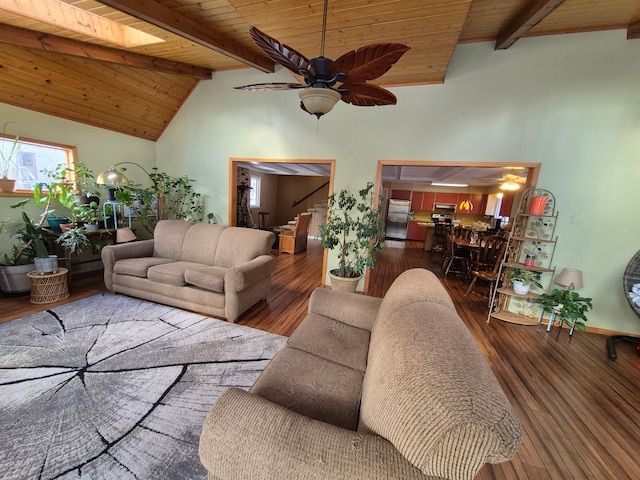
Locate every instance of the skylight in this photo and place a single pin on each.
(69, 17)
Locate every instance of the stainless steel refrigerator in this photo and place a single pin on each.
(397, 218)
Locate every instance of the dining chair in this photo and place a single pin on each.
(486, 266)
(455, 256)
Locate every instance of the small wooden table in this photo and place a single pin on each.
(49, 287)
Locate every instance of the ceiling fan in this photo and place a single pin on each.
(352, 71)
(511, 182)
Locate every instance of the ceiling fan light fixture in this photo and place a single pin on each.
(318, 101)
(510, 185)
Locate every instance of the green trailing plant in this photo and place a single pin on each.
(354, 228)
(567, 305)
(527, 277)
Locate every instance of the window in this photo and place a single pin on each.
(32, 158)
(254, 193)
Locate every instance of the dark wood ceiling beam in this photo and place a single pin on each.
(633, 31)
(526, 19)
(152, 12)
(23, 37)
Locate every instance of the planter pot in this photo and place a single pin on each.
(65, 227)
(7, 185)
(537, 205)
(520, 288)
(46, 264)
(343, 284)
(13, 278)
(91, 227)
(54, 223)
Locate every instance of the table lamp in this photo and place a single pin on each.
(570, 278)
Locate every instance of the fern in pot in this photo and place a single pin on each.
(355, 230)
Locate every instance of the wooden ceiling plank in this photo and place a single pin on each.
(526, 19)
(42, 41)
(153, 12)
(633, 31)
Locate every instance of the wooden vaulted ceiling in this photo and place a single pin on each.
(137, 90)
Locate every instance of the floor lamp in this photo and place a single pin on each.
(114, 179)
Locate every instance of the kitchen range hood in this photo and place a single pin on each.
(447, 207)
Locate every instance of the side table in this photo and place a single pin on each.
(49, 287)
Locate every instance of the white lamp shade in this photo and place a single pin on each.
(569, 277)
(112, 178)
(319, 101)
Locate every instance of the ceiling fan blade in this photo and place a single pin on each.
(279, 52)
(366, 95)
(369, 62)
(269, 86)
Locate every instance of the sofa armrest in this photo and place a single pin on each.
(246, 436)
(239, 278)
(112, 253)
(350, 308)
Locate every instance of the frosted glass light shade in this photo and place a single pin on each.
(319, 101)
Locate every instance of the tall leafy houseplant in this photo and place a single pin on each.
(354, 228)
(566, 305)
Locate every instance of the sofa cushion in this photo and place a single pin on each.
(240, 245)
(313, 387)
(209, 278)
(138, 267)
(332, 340)
(201, 242)
(171, 273)
(168, 238)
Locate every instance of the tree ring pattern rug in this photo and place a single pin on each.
(113, 387)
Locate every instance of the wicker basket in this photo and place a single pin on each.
(49, 287)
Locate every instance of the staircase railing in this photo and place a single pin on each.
(298, 202)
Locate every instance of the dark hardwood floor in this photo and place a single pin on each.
(580, 410)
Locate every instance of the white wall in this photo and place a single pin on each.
(570, 102)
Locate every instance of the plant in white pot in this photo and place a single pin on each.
(9, 149)
(521, 280)
(355, 230)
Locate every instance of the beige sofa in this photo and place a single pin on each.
(206, 268)
(367, 388)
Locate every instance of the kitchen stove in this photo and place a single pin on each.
(445, 218)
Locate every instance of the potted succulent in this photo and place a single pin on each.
(567, 306)
(354, 228)
(7, 160)
(521, 280)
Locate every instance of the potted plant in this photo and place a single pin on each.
(354, 228)
(567, 306)
(7, 160)
(74, 240)
(16, 263)
(522, 280)
(88, 214)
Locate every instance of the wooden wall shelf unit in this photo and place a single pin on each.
(531, 233)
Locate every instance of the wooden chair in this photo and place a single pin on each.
(455, 256)
(293, 238)
(487, 264)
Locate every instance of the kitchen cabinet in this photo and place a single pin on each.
(446, 197)
(507, 204)
(401, 194)
(428, 199)
(416, 200)
(530, 234)
(417, 230)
